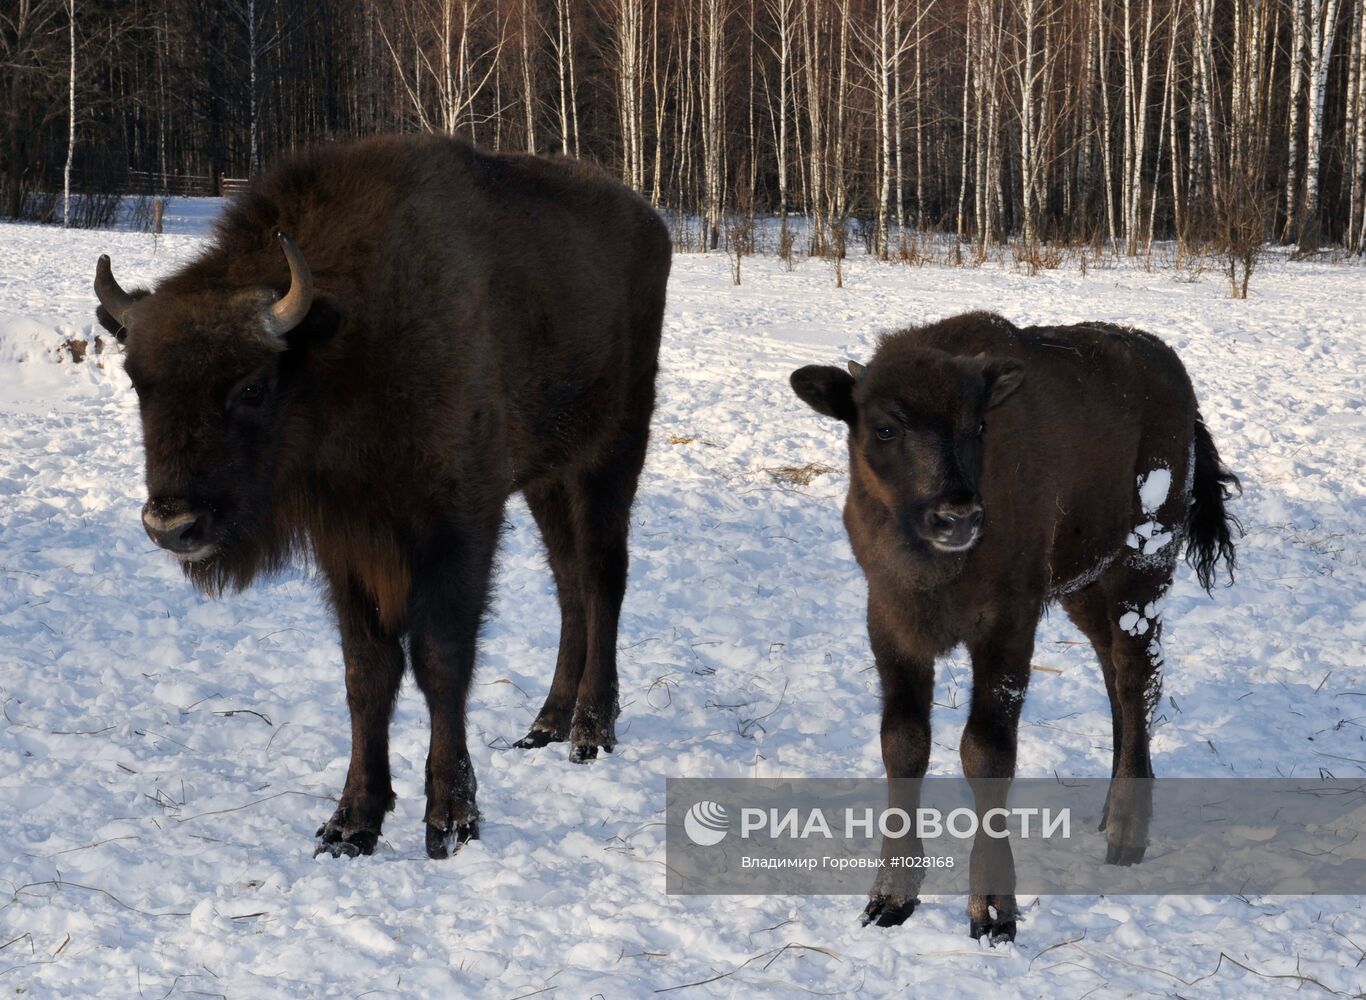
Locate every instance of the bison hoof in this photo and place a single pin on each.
(341, 839)
(1128, 811)
(590, 731)
(995, 931)
(888, 911)
(538, 738)
(443, 843)
(582, 753)
(1124, 854)
(352, 847)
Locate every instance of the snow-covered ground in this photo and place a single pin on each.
(167, 758)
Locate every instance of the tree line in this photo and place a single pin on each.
(1114, 122)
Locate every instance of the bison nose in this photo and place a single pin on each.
(175, 526)
(954, 526)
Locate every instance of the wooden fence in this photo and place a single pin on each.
(184, 185)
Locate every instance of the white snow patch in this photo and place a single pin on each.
(1149, 538)
(1133, 623)
(1011, 694)
(1153, 489)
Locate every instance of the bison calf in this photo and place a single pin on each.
(994, 470)
(446, 327)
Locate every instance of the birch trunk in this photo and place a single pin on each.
(896, 127)
(781, 12)
(811, 14)
(1323, 22)
(1103, 67)
(561, 50)
(1356, 226)
(963, 160)
(1178, 215)
(528, 90)
(1135, 124)
(1204, 63)
(1025, 78)
(70, 116)
(573, 89)
(1161, 132)
(659, 83)
(919, 123)
(882, 84)
(839, 202)
(1293, 134)
(712, 37)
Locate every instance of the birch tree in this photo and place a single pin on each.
(1245, 205)
(1034, 119)
(712, 37)
(782, 13)
(71, 116)
(1136, 83)
(562, 45)
(1323, 21)
(264, 34)
(816, 78)
(449, 56)
(1356, 115)
(528, 85)
(629, 18)
(1296, 74)
(1031, 68)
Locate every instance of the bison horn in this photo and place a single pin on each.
(114, 299)
(290, 311)
(857, 370)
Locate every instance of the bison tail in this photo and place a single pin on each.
(1209, 525)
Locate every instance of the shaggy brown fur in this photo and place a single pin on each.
(995, 470)
(481, 324)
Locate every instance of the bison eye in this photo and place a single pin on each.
(250, 394)
(885, 433)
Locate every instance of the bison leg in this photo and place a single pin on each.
(374, 670)
(1089, 610)
(907, 690)
(450, 592)
(604, 509)
(1000, 677)
(1136, 651)
(552, 507)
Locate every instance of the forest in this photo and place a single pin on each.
(1038, 122)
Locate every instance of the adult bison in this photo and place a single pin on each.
(994, 470)
(441, 328)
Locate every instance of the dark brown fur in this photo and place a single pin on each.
(1043, 432)
(482, 324)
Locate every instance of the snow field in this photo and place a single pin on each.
(168, 757)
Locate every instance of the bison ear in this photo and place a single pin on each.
(1002, 377)
(826, 389)
(324, 320)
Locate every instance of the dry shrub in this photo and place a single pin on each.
(786, 240)
(1245, 209)
(95, 211)
(1037, 256)
(799, 475)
